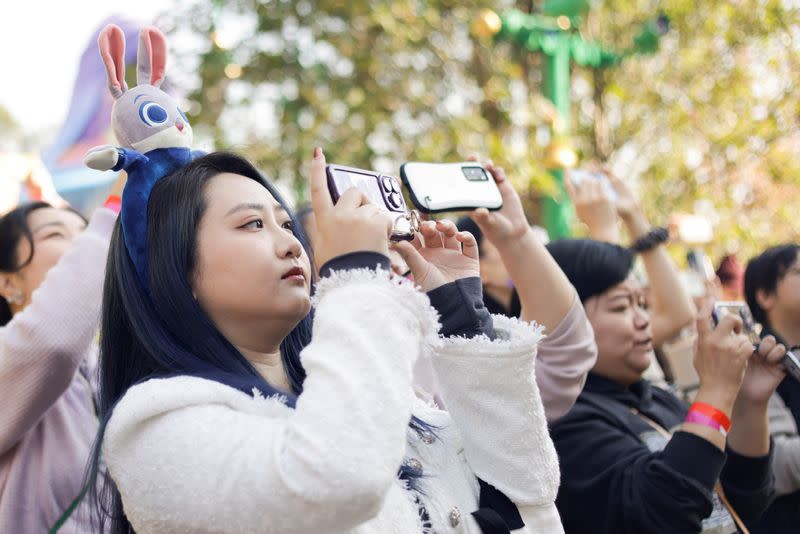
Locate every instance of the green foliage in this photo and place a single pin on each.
(706, 125)
(709, 124)
(374, 83)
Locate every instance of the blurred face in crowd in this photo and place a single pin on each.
(252, 273)
(785, 301)
(622, 331)
(53, 231)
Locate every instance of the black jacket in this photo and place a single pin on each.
(619, 475)
(783, 515)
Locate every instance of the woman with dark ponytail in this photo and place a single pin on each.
(51, 277)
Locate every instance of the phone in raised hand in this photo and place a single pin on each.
(442, 187)
(580, 176)
(791, 362)
(381, 189)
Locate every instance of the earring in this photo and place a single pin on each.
(17, 298)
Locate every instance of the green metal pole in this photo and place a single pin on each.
(557, 210)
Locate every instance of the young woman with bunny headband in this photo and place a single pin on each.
(223, 416)
(220, 412)
(51, 275)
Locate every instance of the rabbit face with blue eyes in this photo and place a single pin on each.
(144, 118)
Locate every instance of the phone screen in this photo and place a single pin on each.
(364, 182)
(381, 190)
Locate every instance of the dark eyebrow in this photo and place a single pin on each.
(138, 97)
(45, 225)
(245, 206)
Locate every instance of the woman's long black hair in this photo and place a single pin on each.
(165, 332)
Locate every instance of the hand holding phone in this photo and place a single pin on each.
(382, 190)
(595, 204)
(440, 254)
(350, 225)
(791, 363)
(580, 177)
(442, 187)
(505, 226)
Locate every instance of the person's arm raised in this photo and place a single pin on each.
(486, 371)
(595, 208)
(544, 291)
(671, 307)
(720, 359)
(43, 345)
(569, 352)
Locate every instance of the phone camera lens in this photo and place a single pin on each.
(474, 174)
(396, 200)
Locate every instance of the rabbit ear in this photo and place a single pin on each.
(152, 57)
(112, 50)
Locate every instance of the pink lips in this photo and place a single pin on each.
(295, 273)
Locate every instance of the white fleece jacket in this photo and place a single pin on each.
(192, 455)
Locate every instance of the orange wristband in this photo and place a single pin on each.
(114, 203)
(712, 413)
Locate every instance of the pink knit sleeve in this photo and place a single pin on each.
(565, 357)
(42, 346)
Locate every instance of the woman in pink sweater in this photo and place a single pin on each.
(51, 276)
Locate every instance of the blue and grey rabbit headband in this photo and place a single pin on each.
(154, 134)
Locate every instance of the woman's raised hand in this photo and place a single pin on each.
(507, 225)
(721, 358)
(353, 224)
(440, 254)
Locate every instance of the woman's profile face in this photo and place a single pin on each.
(251, 270)
(622, 331)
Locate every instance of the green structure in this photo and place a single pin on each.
(553, 33)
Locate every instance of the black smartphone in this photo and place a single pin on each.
(381, 189)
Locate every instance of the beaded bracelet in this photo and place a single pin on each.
(650, 240)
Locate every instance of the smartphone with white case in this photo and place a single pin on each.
(442, 187)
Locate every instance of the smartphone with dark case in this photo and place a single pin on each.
(382, 190)
(790, 361)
